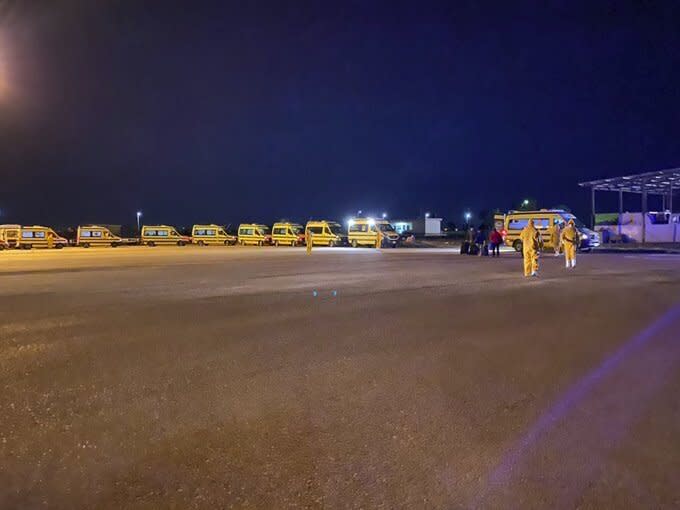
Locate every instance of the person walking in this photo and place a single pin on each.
(570, 242)
(470, 241)
(495, 240)
(531, 244)
(378, 237)
(480, 241)
(555, 238)
(309, 241)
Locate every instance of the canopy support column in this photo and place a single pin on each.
(670, 199)
(592, 205)
(620, 213)
(644, 212)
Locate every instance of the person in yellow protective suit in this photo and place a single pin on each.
(531, 243)
(555, 238)
(50, 240)
(570, 241)
(309, 241)
(378, 237)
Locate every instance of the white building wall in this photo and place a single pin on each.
(631, 227)
(433, 227)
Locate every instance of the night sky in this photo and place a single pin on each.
(200, 111)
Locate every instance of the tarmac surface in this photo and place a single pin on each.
(229, 377)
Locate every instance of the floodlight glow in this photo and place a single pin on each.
(371, 222)
(468, 216)
(350, 222)
(384, 215)
(427, 214)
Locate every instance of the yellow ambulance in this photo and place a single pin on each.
(364, 231)
(211, 234)
(511, 224)
(252, 233)
(326, 233)
(38, 236)
(153, 235)
(10, 234)
(95, 235)
(288, 234)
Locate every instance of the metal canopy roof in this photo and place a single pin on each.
(660, 182)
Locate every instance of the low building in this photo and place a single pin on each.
(427, 227)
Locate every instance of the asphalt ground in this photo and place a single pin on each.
(223, 377)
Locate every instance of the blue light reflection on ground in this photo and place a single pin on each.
(504, 470)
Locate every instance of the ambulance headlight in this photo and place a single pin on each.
(584, 236)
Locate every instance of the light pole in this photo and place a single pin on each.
(139, 215)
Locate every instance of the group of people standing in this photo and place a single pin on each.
(477, 242)
(565, 239)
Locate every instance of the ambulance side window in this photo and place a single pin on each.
(541, 223)
(517, 224)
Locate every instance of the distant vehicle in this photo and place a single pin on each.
(289, 234)
(153, 235)
(511, 224)
(326, 233)
(11, 234)
(211, 234)
(40, 237)
(252, 233)
(364, 231)
(96, 235)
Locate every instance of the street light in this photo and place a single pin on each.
(526, 202)
(384, 215)
(427, 214)
(468, 216)
(139, 215)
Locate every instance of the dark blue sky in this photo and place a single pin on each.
(200, 111)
